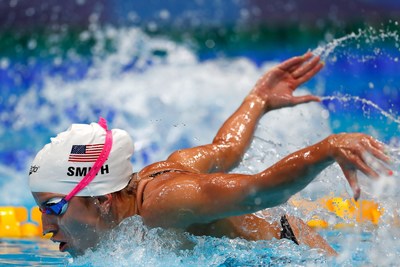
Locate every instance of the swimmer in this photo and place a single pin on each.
(192, 189)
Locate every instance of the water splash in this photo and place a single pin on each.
(325, 50)
(364, 102)
(133, 244)
(370, 40)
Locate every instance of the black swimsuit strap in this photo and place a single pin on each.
(287, 231)
(164, 171)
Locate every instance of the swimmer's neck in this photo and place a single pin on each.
(124, 203)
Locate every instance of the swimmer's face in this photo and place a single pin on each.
(79, 228)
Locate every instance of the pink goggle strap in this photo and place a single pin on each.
(98, 164)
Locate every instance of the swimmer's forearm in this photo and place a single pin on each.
(293, 173)
(235, 135)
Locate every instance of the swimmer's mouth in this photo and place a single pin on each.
(63, 246)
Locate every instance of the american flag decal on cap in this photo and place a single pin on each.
(85, 153)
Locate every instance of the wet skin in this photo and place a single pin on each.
(78, 229)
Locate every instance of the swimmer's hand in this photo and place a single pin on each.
(276, 87)
(356, 151)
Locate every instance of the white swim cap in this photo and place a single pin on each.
(65, 161)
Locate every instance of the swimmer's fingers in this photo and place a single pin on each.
(355, 162)
(305, 99)
(376, 161)
(376, 156)
(310, 73)
(305, 68)
(376, 148)
(351, 177)
(358, 162)
(294, 62)
(379, 154)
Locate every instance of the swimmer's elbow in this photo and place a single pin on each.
(227, 154)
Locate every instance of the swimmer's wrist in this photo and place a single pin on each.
(257, 101)
(329, 145)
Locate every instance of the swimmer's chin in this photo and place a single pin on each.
(75, 253)
(72, 252)
(66, 248)
(86, 247)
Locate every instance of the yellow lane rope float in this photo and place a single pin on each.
(348, 210)
(14, 221)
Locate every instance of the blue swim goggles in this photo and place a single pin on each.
(59, 205)
(55, 206)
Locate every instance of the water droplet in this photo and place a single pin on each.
(371, 85)
(325, 114)
(164, 14)
(4, 63)
(30, 12)
(32, 44)
(210, 43)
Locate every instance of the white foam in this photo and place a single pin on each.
(172, 101)
(133, 244)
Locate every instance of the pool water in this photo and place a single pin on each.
(135, 245)
(168, 96)
(30, 252)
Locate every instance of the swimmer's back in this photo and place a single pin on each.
(153, 176)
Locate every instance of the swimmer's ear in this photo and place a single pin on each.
(104, 203)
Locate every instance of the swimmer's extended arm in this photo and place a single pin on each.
(274, 90)
(186, 199)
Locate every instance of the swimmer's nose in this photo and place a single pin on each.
(49, 228)
(48, 233)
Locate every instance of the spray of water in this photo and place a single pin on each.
(132, 243)
(370, 41)
(152, 98)
(365, 102)
(325, 50)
